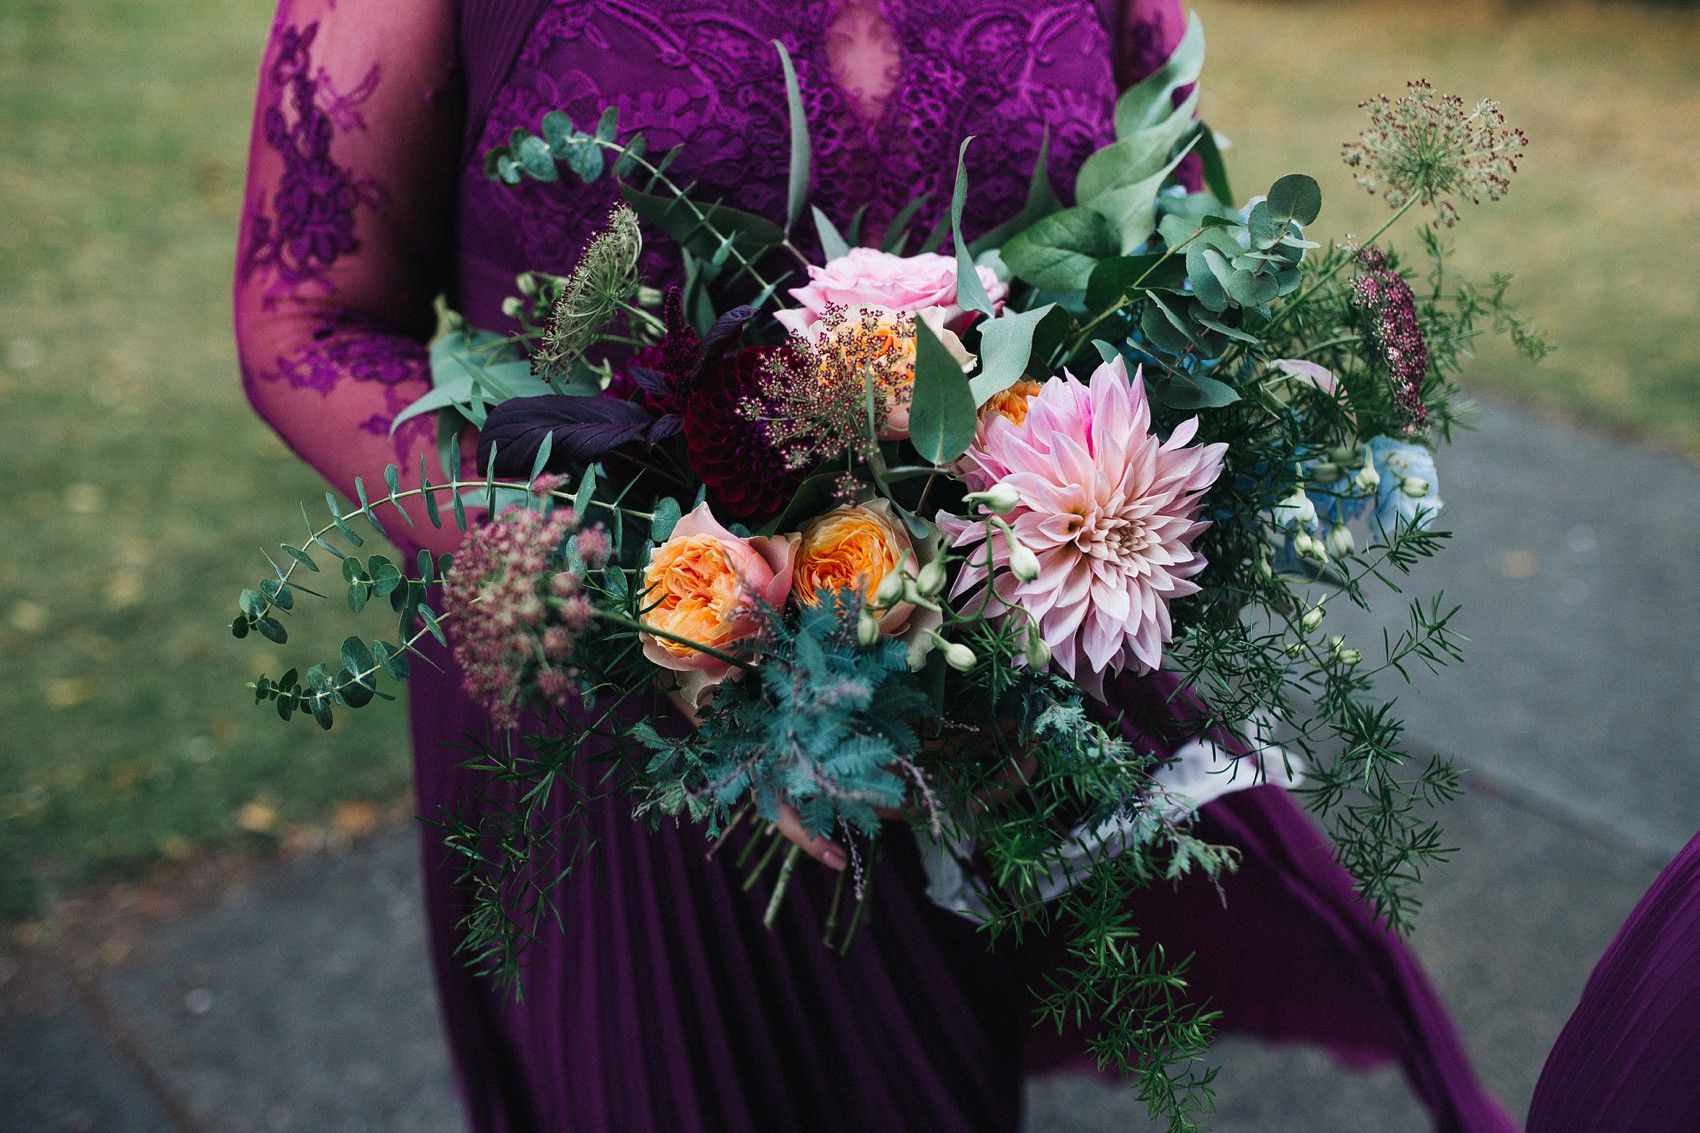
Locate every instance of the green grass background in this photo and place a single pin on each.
(138, 488)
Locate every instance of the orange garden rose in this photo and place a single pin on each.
(703, 584)
(855, 547)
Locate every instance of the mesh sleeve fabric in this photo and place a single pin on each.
(347, 232)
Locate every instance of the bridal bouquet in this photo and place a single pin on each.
(896, 532)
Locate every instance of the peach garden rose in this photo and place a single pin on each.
(705, 584)
(856, 547)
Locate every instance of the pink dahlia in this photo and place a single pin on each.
(1109, 510)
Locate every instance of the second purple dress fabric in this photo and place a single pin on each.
(663, 1006)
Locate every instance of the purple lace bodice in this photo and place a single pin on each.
(364, 202)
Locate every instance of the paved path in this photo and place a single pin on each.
(300, 1002)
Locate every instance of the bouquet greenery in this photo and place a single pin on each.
(896, 531)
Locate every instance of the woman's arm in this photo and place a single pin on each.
(347, 231)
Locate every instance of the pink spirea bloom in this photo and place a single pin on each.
(1110, 511)
(903, 285)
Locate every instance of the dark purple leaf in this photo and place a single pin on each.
(723, 336)
(667, 425)
(584, 429)
(651, 381)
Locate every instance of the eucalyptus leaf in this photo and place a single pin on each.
(704, 235)
(534, 156)
(1116, 278)
(357, 658)
(667, 515)
(1006, 345)
(942, 413)
(1192, 391)
(1297, 197)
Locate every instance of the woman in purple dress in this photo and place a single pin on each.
(662, 1004)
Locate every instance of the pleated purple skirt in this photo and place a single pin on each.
(662, 1005)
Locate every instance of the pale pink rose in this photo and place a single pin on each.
(706, 584)
(863, 277)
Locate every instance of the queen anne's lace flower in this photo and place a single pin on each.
(1110, 511)
(1430, 146)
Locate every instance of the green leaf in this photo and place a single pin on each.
(359, 593)
(1059, 251)
(432, 624)
(608, 125)
(1152, 97)
(357, 659)
(752, 234)
(586, 491)
(1116, 278)
(425, 566)
(301, 557)
(1296, 196)
(1249, 290)
(1215, 169)
(970, 291)
(1041, 201)
(534, 156)
(585, 159)
(239, 628)
(272, 630)
(1006, 345)
(942, 413)
(832, 245)
(1205, 283)
(897, 233)
(630, 157)
(559, 132)
(280, 594)
(797, 187)
(1126, 194)
(1191, 391)
(252, 603)
(391, 659)
(353, 693)
(321, 708)
(319, 678)
(386, 576)
(667, 516)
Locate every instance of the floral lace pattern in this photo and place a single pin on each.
(696, 73)
(310, 224)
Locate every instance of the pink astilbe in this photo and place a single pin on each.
(1109, 510)
(519, 608)
(1383, 294)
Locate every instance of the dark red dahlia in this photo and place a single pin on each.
(744, 473)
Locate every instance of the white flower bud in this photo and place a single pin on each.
(1038, 654)
(890, 590)
(1325, 473)
(999, 499)
(867, 629)
(1367, 479)
(1414, 486)
(1340, 542)
(1023, 563)
(513, 307)
(1345, 454)
(527, 284)
(1309, 548)
(1350, 656)
(1335, 644)
(931, 580)
(1295, 511)
(650, 298)
(959, 656)
(1312, 618)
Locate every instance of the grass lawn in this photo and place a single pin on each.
(139, 488)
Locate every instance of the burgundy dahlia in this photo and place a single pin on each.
(745, 474)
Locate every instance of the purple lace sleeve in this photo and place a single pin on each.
(346, 228)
